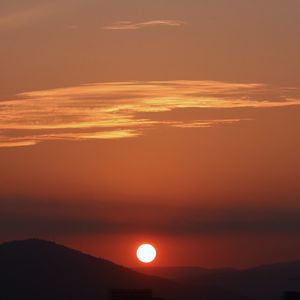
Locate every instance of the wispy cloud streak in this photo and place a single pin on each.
(128, 25)
(113, 110)
(21, 18)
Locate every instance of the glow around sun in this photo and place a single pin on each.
(146, 253)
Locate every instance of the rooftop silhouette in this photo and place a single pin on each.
(132, 294)
(291, 295)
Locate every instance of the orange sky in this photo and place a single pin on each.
(152, 121)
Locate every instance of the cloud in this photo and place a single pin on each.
(40, 217)
(113, 110)
(23, 17)
(30, 140)
(205, 123)
(128, 25)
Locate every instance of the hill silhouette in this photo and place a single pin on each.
(37, 269)
(181, 273)
(266, 282)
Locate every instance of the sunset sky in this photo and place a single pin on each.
(175, 122)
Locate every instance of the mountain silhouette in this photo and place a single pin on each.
(181, 273)
(36, 269)
(266, 282)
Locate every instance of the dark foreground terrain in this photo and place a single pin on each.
(37, 269)
(267, 282)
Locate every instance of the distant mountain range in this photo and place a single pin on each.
(181, 273)
(37, 269)
(267, 282)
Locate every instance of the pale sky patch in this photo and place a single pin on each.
(23, 17)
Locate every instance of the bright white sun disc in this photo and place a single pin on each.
(146, 253)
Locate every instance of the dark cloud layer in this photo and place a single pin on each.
(40, 218)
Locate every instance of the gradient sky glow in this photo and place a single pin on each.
(172, 122)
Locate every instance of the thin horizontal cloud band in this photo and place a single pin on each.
(287, 224)
(129, 25)
(111, 110)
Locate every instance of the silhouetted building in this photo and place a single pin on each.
(132, 294)
(291, 295)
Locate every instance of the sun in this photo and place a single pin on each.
(146, 253)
